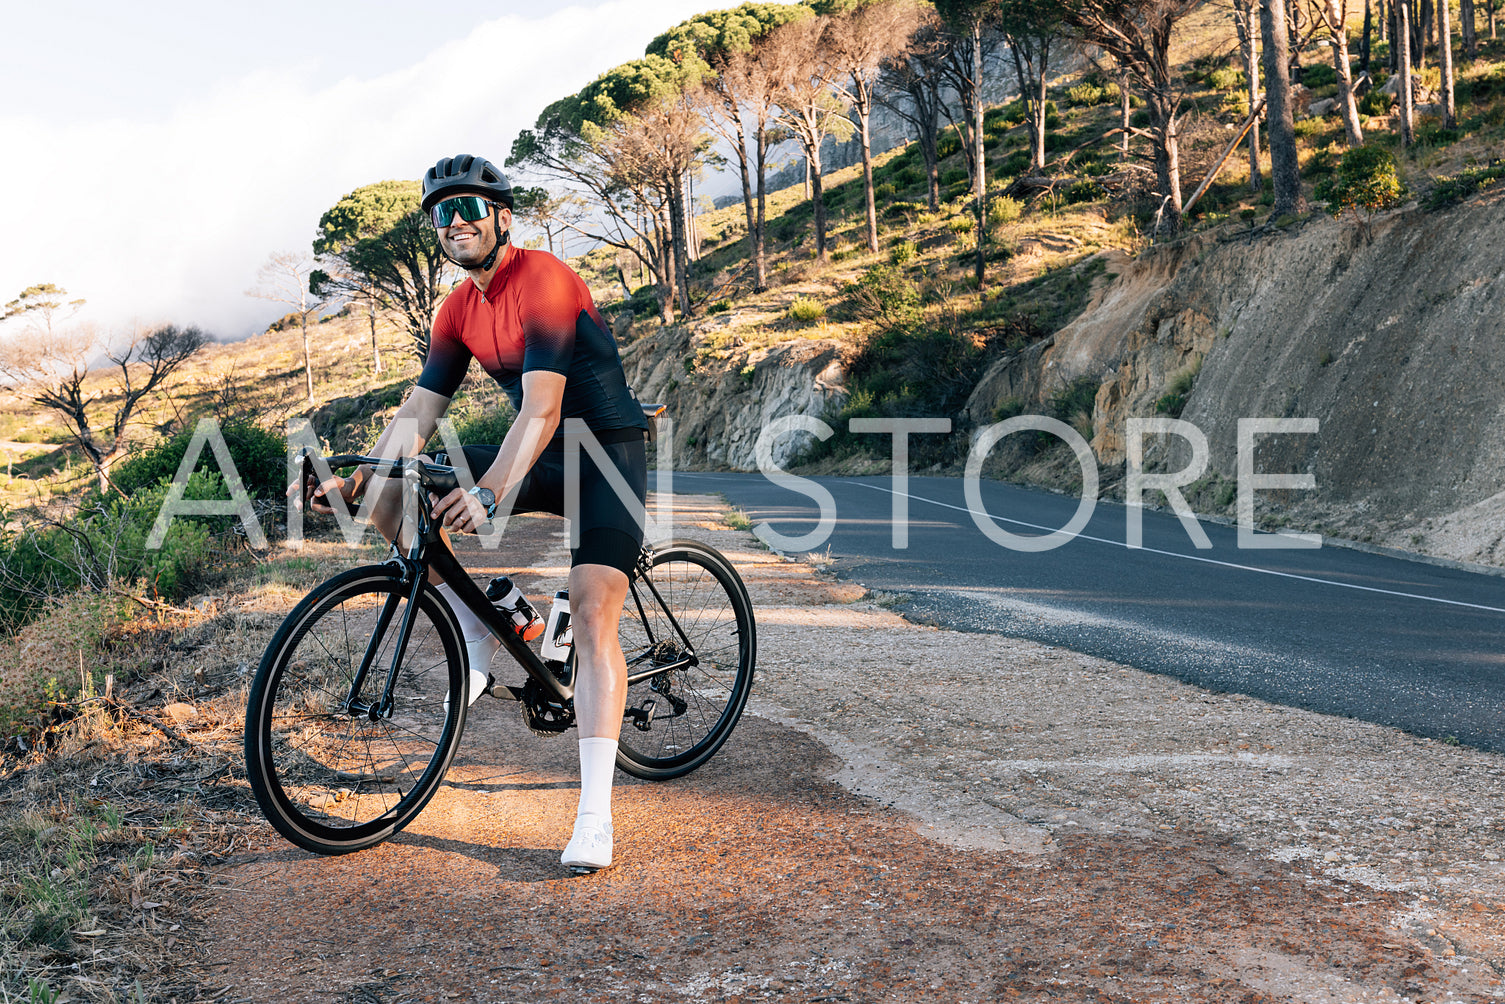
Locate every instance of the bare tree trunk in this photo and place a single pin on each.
(1445, 37)
(1244, 19)
(1384, 14)
(308, 367)
(1417, 43)
(760, 244)
(662, 229)
(747, 195)
(375, 350)
(979, 178)
(808, 189)
(1403, 37)
(1469, 28)
(1284, 168)
(1368, 33)
(864, 109)
(1337, 11)
(1125, 113)
(1167, 163)
(929, 129)
(680, 241)
(817, 200)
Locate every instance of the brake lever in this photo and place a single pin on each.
(306, 477)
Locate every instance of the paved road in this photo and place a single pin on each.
(1387, 640)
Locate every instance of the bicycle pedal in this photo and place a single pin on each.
(642, 718)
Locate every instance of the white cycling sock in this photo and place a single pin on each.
(471, 626)
(598, 758)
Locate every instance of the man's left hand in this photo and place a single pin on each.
(461, 512)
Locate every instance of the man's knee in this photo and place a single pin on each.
(596, 594)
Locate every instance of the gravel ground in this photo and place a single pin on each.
(909, 813)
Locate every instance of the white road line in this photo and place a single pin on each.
(1197, 557)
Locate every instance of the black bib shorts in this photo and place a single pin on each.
(607, 530)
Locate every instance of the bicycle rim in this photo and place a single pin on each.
(700, 621)
(331, 776)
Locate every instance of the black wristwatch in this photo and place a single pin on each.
(487, 498)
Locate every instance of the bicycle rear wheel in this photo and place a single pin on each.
(691, 615)
(332, 770)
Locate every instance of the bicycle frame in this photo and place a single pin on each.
(427, 551)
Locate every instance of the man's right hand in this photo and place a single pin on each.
(318, 494)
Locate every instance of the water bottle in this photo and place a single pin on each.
(558, 637)
(510, 600)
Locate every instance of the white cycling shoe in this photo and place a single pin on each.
(590, 848)
(478, 655)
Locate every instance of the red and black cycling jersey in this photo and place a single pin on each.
(536, 314)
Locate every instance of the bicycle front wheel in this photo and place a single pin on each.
(335, 764)
(690, 615)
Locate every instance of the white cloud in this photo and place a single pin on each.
(170, 216)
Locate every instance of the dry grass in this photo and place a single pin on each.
(111, 814)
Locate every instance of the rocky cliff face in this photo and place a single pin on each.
(1393, 337)
(720, 406)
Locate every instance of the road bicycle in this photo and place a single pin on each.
(350, 727)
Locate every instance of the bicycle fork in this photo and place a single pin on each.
(382, 708)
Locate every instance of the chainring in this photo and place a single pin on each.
(544, 714)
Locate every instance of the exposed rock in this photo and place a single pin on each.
(1323, 107)
(1392, 339)
(718, 412)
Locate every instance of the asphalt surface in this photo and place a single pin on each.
(1380, 638)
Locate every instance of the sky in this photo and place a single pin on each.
(156, 153)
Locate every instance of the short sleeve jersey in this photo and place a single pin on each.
(536, 314)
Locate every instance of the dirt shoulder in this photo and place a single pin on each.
(905, 814)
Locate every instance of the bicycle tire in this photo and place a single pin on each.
(330, 780)
(697, 706)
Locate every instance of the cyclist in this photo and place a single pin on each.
(531, 323)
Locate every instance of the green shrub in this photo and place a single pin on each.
(884, 192)
(104, 545)
(806, 311)
(644, 300)
(1227, 78)
(260, 458)
(1084, 95)
(947, 145)
(1375, 102)
(1365, 179)
(1003, 209)
(480, 424)
(719, 307)
(1084, 191)
(963, 224)
(1451, 189)
(1014, 164)
(883, 291)
(1173, 401)
(952, 176)
(1319, 75)
(903, 252)
(909, 177)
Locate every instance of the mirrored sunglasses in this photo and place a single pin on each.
(470, 208)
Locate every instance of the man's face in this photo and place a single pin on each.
(470, 243)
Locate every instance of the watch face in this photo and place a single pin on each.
(485, 496)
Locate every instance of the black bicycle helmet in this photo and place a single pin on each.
(465, 173)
